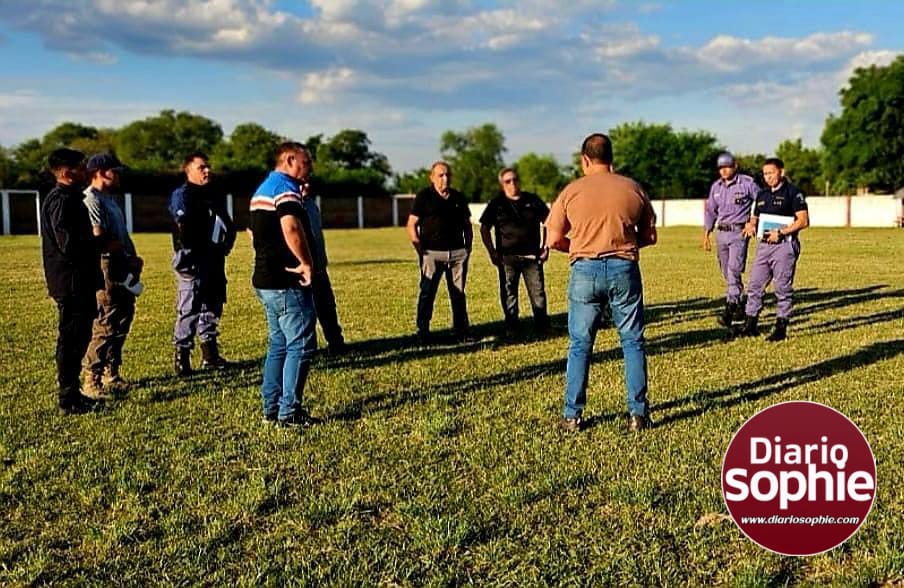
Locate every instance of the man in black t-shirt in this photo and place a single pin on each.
(439, 227)
(517, 218)
(283, 266)
(779, 249)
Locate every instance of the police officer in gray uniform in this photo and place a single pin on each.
(777, 253)
(727, 210)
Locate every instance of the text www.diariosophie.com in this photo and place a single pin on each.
(794, 520)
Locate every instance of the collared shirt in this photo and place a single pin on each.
(106, 213)
(730, 202)
(279, 195)
(441, 221)
(516, 223)
(786, 200)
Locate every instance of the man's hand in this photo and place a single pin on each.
(773, 236)
(304, 273)
(707, 243)
(544, 255)
(749, 230)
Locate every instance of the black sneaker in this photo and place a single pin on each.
(301, 419)
(336, 349)
(639, 422)
(270, 419)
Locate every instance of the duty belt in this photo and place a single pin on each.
(730, 227)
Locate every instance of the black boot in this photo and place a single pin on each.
(739, 309)
(210, 356)
(750, 328)
(780, 331)
(182, 362)
(728, 314)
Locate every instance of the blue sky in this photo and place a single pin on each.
(547, 73)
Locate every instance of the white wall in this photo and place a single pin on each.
(876, 211)
(825, 211)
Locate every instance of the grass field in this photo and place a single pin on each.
(443, 465)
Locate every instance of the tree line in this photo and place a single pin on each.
(861, 147)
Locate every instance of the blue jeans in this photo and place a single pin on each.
(292, 340)
(595, 283)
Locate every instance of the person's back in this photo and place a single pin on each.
(603, 212)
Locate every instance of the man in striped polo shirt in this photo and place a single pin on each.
(283, 266)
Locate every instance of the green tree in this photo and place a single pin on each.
(541, 174)
(8, 172)
(31, 160)
(752, 165)
(159, 143)
(476, 158)
(250, 148)
(411, 182)
(347, 162)
(864, 145)
(802, 165)
(666, 163)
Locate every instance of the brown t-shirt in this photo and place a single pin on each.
(601, 213)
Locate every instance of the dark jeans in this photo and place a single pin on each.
(325, 304)
(434, 265)
(117, 309)
(77, 313)
(511, 269)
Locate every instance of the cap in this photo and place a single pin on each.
(725, 159)
(103, 162)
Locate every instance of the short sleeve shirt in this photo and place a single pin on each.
(788, 200)
(105, 212)
(279, 195)
(516, 223)
(441, 221)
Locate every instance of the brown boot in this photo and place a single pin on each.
(93, 388)
(210, 356)
(114, 382)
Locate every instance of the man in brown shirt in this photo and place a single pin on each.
(602, 220)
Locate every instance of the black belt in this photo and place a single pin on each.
(730, 227)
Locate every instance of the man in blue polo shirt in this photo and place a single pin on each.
(727, 210)
(283, 267)
(777, 253)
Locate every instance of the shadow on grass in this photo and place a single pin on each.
(165, 388)
(696, 404)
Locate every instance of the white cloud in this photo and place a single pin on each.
(322, 87)
(729, 53)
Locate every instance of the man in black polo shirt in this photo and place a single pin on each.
(439, 227)
(72, 269)
(517, 218)
(779, 249)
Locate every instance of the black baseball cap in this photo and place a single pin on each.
(104, 162)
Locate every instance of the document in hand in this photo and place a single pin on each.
(771, 222)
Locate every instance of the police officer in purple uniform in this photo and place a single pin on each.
(776, 256)
(727, 210)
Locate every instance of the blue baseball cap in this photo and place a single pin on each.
(103, 162)
(725, 159)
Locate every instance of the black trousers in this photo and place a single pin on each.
(77, 314)
(510, 271)
(325, 305)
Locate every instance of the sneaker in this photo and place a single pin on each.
(639, 422)
(336, 349)
(270, 419)
(301, 419)
(572, 425)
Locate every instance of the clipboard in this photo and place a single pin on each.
(771, 222)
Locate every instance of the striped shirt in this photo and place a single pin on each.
(278, 196)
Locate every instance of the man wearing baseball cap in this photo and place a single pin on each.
(121, 267)
(727, 210)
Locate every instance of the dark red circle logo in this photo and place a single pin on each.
(799, 478)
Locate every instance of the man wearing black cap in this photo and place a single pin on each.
(72, 270)
(121, 267)
(727, 210)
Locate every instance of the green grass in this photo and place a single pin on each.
(442, 466)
